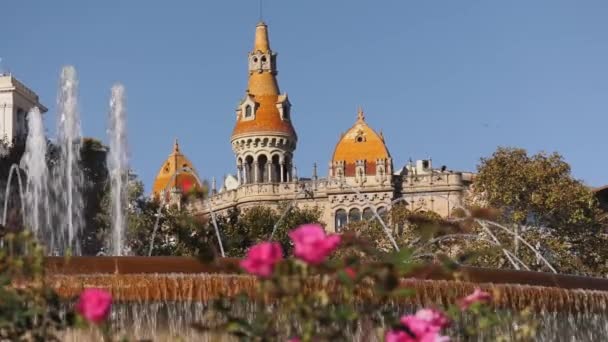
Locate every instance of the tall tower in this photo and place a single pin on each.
(16, 100)
(263, 139)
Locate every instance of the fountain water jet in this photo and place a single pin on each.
(68, 180)
(37, 194)
(118, 168)
(13, 170)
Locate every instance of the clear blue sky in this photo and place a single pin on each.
(446, 79)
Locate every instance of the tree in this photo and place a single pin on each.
(540, 200)
(537, 190)
(93, 163)
(243, 229)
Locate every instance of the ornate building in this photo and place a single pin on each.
(16, 100)
(361, 180)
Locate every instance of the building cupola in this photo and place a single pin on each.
(263, 138)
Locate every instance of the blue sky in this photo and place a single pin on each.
(447, 79)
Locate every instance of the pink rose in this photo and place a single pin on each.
(94, 305)
(398, 336)
(311, 243)
(478, 296)
(261, 258)
(434, 317)
(424, 326)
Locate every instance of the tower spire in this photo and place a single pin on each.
(176, 146)
(262, 65)
(261, 37)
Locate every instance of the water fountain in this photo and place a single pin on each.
(118, 168)
(34, 163)
(67, 178)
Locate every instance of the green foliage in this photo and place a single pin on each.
(539, 198)
(29, 309)
(538, 190)
(243, 229)
(93, 162)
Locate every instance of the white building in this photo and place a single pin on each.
(16, 100)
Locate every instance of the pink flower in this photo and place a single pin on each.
(293, 339)
(94, 305)
(311, 243)
(261, 258)
(478, 296)
(424, 326)
(398, 336)
(434, 317)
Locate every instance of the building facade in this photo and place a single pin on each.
(16, 100)
(361, 179)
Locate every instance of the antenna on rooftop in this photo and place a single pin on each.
(260, 2)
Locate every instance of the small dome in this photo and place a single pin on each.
(360, 142)
(185, 181)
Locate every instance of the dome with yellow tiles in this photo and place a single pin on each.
(264, 109)
(360, 142)
(185, 180)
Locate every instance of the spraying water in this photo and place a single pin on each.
(118, 167)
(34, 163)
(68, 180)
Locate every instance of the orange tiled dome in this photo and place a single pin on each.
(263, 89)
(267, 119)
(185, 181)
(360, 142)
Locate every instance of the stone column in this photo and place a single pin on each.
(239, 171)
(255, 172)
(269, 168)
(282, 172)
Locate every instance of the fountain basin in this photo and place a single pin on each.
(141, 279)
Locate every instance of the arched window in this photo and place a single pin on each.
(382, 213)
(354, 215)
(262, 169)
(368, 214)
(248, 111)
(340, 219)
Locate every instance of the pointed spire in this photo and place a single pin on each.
(261, 38)
(262, 65)
(360, 114)
(175, 146)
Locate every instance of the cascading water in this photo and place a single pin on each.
(38, 217)
(118, 168)
(68, 180)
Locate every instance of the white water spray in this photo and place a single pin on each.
(38, 217)
(118, 168)
(68, 180)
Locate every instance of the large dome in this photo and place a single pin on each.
(360, 142)
(185, 181)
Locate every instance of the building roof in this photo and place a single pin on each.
(360, 142)
(263, 89)
(184, 181)
(9, 83)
